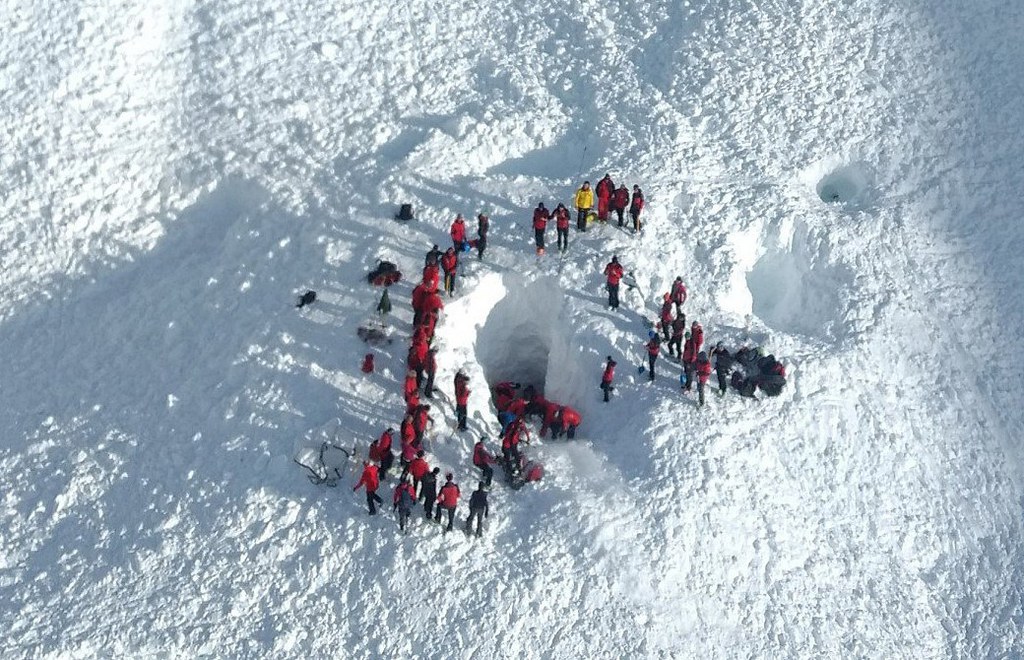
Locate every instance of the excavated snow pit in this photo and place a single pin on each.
(523, 337)
(849, 186)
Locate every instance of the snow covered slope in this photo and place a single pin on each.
(836, 180)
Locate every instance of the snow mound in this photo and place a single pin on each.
(795, 288)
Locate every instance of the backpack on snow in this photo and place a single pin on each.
(405, 213)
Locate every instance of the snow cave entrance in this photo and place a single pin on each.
(847, 185)
(521, 340)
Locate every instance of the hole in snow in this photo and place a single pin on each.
(521, 340)
(795, 290)
(847, 185)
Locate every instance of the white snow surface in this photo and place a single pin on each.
(839, 181)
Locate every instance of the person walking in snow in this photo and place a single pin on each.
(483, 223)
(678, 294)
(584, 202)
(605, 189)
(540, 224)
(561, 216)
(483, 460)
(613, 271)
(620, 200)
(447, 501)
(665, 319)
(461, 399)
(723, 366)
(653, 347)
(371, 482)
(675, 343)
(380, 452)
(430, 369)
(607, 377)
(428, 492)
(703, 369)
(449, 264)
(404, 500)
(458, 233)
(478, 509)
(635, 207)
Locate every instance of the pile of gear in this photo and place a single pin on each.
(754, 370)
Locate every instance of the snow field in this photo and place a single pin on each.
(176, 174)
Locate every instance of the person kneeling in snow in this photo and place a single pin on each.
(567, 421)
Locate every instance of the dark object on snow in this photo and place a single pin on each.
(522, 471)
(307, 298)
(385, 274)
(384, 306)
(374, 333)
(405, 213)
(367, 367)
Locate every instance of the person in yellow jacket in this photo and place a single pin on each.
(584, 203)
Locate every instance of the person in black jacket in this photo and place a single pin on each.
(428, 492)
(478, 508)
(723, 366)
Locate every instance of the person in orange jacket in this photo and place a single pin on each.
(371, 482)
(448, 500)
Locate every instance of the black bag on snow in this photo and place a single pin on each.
(405, 213)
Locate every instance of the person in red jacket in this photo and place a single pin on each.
(568, 421)
(665, 319)
(504, 393)
(419, 297)
(697, 332)
(678, 294)
(540, 224)
(613, 271)
(432, 303)
(418, 358)
(517, 407)
(605, 189)
(620, 200)
(431, 275)
(409, 387)
(448, 500)
(675, 344)
(549, 410)
(461, 399)
(417, 468)
(371, 482)
(421, 419)
(689, 360)
(458, 233)
(607, 377)
(653, 347)
(636, 205)
(703, 368)
(449, 264)
(515, 432)
(403, 501)
(483, 460)
(378, 454)
(561, 216)
(430, 368)
(407, 431)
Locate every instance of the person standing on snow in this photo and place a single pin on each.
(430, 369)
(584, 202)
(380, 452)
(371, 482)
(477, 509)
(447, 500)
(653, 347)
(703, 369)
(605, 189)
(482, 460)
(458, 233)
(678, 294)
(461, 399)
(607, 377)
(428, 492)
(449, 264)
(635, 207)
(540, 224)
(620, 200)
(723, 365)
(421, 419)
(483, 223)
(690, 352)
(697, 332)
(665, 319)
(433, 256)
(404, 500)
(613, 271)
(417, 468)
(561, 216)
(675, 344)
